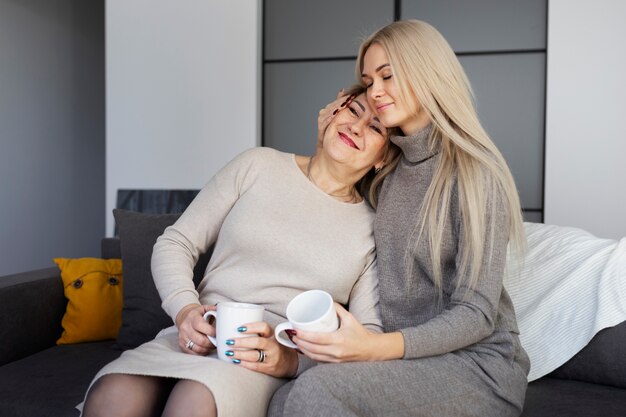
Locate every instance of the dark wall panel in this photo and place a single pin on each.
(296, 29)
(483, 25)
(510, 91)
(294, 94)
(533, 216)
(501, 43)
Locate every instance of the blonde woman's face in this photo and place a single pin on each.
(384, 96)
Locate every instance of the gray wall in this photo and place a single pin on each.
(51, 131)
(309, 53)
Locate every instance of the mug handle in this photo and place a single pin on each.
(206, 316)
(278, 334)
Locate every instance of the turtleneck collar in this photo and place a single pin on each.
(416, 147)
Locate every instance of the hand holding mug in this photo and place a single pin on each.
(313, 311)
(193, 329)
(260, 352)
(351, 342)
(231, 320)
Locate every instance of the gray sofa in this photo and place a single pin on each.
(38, 378)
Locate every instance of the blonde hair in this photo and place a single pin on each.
(429, 75)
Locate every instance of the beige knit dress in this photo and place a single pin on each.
(276, 235)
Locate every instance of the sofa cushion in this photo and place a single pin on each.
(52, 382)
(551, 397)
(602, 361)
(142, 315)
(93, 288)
(110, 248)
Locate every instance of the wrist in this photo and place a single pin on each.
(294, 364)
(183, 313)
(386, 346)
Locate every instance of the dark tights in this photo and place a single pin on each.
(123, 395)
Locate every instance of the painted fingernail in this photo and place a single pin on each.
(335, 112)
(230, 342)
(242, 329)
(291, 332)
(229, 353)
(236, 361)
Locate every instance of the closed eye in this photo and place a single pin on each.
(376, 129)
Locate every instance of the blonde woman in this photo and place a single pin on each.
(444, 218)
(281, 224)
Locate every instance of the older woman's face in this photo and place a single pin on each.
(356, 136)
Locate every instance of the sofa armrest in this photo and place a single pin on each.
(32, 305)
(602, 361)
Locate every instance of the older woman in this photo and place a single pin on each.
(281, 224)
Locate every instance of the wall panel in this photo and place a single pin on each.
(297, 29)
(294, 94)
(510, 96)
(484, 25)
(309, 48)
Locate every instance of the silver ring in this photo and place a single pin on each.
(261, 355)
(190, 344)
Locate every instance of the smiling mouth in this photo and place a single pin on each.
(346, 139)
(382, 107)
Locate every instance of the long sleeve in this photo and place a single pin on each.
(177, 250)
(433, 323)
(364, 297)
(470, 315)
(274, 235)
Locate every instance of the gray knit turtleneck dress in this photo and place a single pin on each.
(462, 354)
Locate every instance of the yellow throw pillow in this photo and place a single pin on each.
(93, 288)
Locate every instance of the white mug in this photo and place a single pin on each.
(312, 310)
(228, 318)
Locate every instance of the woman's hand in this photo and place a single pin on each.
(351, 342)
(193, 327)
(278, 360)
(328, 113)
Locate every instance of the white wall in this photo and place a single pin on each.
(182, 90)
(586, 116)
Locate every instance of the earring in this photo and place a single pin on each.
(377, 170)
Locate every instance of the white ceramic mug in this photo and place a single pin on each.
(312, 310)
(228, 318)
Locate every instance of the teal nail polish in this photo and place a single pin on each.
(237, 361)
(242, 329)
(229, 353)
(230, 342)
